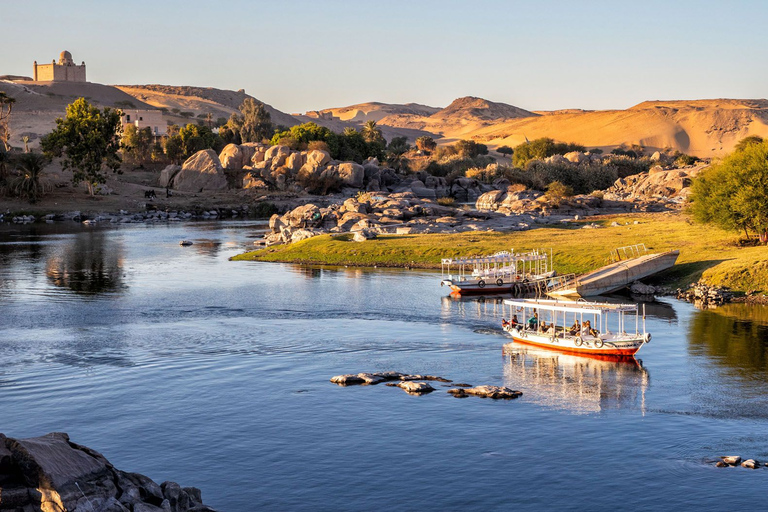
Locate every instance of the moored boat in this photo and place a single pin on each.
(503, 272)
(596, 328)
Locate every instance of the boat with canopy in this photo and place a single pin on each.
(598, 328)
(503, 272)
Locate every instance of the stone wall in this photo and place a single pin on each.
(59, 73)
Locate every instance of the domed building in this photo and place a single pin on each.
(64, 71)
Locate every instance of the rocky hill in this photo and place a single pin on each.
(375, 111)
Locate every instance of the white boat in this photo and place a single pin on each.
(503, 272)
(596, 328)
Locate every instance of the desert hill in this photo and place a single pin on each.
(460, 119)
(199, 100)
(38, 104)
(703, 128)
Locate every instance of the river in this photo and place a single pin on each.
(179, 364)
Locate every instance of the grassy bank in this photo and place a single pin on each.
(705, 251)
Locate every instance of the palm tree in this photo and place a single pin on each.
(30, 184)
(370, 132)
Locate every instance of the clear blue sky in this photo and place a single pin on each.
(301, 55)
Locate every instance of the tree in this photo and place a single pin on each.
(470, 148)
(174, 148)
(426, 143)
(748, 141)
(257, 123)
(6, 107)
(137, 144)
(30, 184)
(505, 150)
(196, 138)
(89, 140)
(371, 133)
(733, 193)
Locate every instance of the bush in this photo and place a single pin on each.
(684, 160)
(186, 114)
(317, 144)
(446, 201)
(263, 210)
(540, 149)
(426, 143)
(505, 150)
(487, 174)
(558, 191)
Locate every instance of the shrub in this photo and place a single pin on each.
(186, 114)
(487, 174)
(317, 144)
(515, 188)
(505, 150)
(263, 210)
(540, 149)
(558, 191)
(446, 201)
(426, 143)
(30, 184)
(684, 160)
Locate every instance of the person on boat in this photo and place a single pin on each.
(533, 322)
(587, 329)
(514, 321)
(504, 323)
(575, 328)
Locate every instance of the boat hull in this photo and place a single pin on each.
(617, 348)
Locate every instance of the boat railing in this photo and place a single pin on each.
(628, 252)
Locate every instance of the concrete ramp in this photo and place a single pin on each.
(617, 275)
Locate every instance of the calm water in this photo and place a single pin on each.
(181, 365)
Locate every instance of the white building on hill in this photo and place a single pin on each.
(152, 119)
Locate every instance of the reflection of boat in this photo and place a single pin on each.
(503, 272)
(630, 264)
(548, 326)
(573, 382)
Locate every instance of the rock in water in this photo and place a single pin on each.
(494, 392)
(731, 459)
(750, 463)
(415, 388)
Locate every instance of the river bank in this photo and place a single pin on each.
(579, 246)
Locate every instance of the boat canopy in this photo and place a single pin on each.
(598, 308)
(500, 257)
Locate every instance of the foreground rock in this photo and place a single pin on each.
(413, 388)
(704, 295)
(51, 473)
(495, 392)
(202, 171)
(378, 377)
(732, 461)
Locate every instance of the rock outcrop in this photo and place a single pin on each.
(704, 295)
(51, 473)
(201, 171)
(495, 392)
(658, 184)
(167, 175)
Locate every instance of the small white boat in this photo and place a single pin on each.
(503, 272)
(596, 328)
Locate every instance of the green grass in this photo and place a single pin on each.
(705, 251)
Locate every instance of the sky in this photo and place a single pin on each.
(306, 55)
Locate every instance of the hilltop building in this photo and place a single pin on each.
(152, 119)
(64, 71)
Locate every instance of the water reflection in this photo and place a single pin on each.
(578, 384)
(734, 335)
(90, 263)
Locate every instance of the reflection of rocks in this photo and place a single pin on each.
(495, 392)
(91, 264)
(51, 473)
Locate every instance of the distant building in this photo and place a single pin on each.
(64, 71)
(152, 119)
